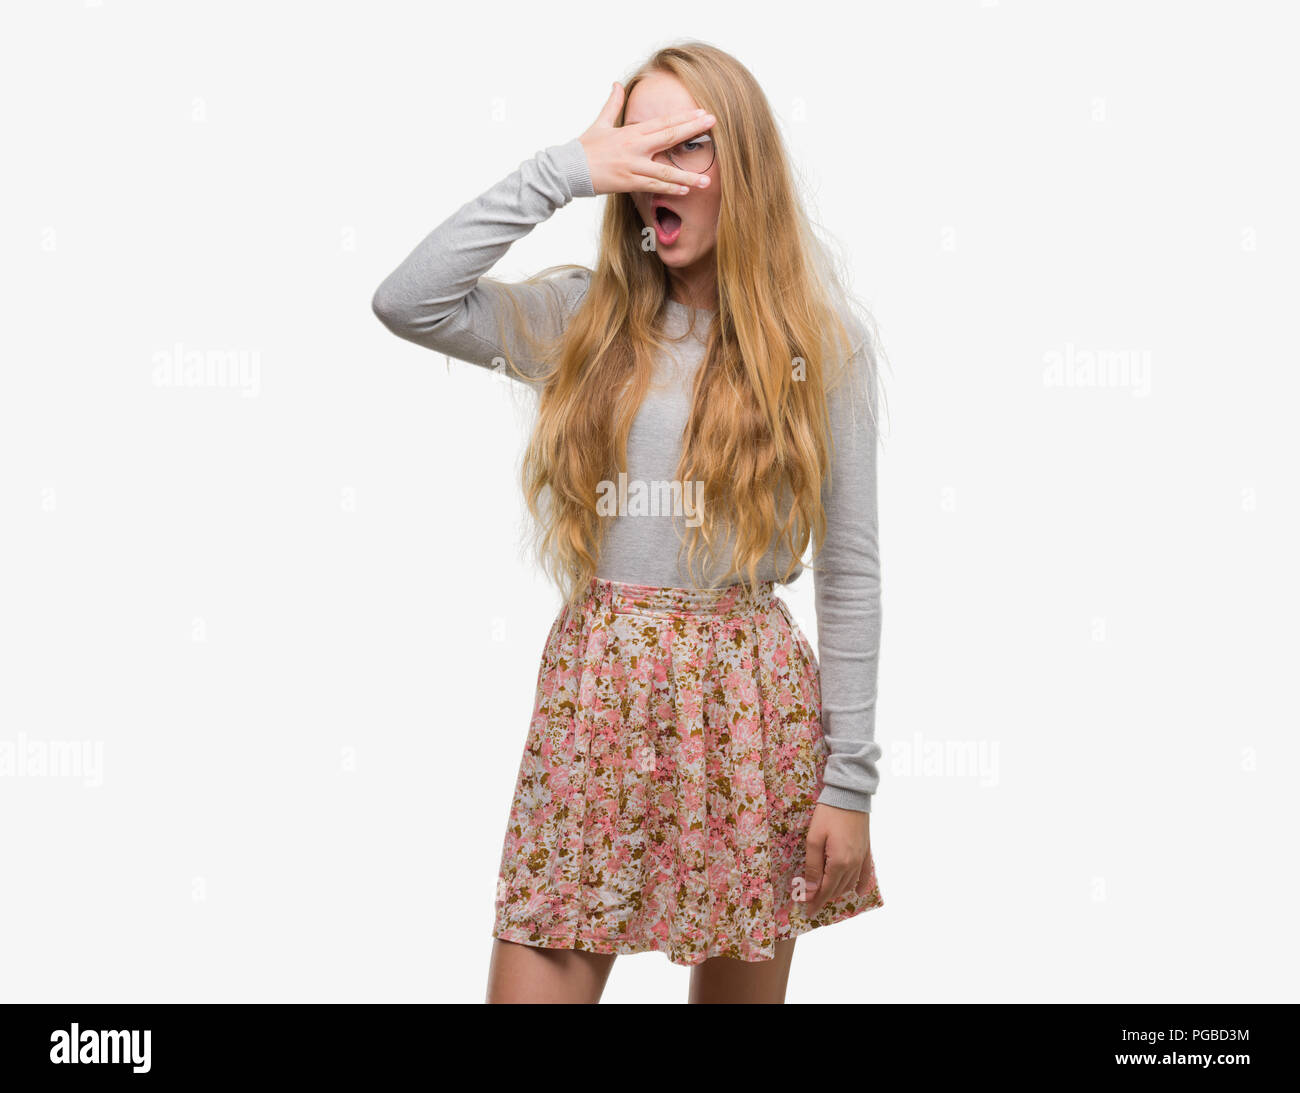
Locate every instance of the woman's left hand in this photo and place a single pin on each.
(839, 855)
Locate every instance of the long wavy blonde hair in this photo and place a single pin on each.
(758, 437)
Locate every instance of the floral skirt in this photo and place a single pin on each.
(670, 773)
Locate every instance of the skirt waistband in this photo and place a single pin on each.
(644, 599)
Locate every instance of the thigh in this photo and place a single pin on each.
(727, 980)
(526, 974)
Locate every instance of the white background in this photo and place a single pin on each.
(295, 619)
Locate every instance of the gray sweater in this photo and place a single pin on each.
(435, 299)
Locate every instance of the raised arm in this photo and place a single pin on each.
(846, 577)
(435, 297)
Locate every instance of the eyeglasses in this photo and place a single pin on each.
(694, 155)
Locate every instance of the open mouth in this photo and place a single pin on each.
(668, 225)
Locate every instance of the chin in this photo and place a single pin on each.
(677, 258)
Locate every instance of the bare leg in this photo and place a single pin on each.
(524, 974)
(727, 980)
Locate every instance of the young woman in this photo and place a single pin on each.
(693, 781)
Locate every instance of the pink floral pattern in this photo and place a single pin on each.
(671, 770)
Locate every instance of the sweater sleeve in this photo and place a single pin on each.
(846, 576)
(435, 297)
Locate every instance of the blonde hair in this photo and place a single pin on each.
(758, 435)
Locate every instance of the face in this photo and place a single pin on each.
(691, 248)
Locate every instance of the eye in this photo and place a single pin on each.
(695, 142)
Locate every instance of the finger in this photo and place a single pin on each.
(813, 866)
(866, 877)
(837, 877)
(666, 172)
(844, 878)
(609, 112)
(674, 133)
(654, 125)
(639, 184)
(844, 884)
